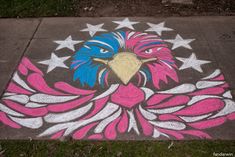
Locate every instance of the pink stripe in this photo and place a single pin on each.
(202, 107)
(177, 135)
(219, 78)
(139, 79)
(4, 119)
(123, 124)
(27, 63)
(81, 133)
(208, 123)
(157, 98)
(231, 116)
(106, 78)
(69, 105)
(175, 101)
(197, 133)
(95, 137)
(146, 126)
(22, 69)
(35, 112)
(38, 82)
(57, 135)
(110, 131)
(65, 87)
(99, 104)
(12, 87)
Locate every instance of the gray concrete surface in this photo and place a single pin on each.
(15, 36)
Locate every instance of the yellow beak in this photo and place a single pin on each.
(125, 65)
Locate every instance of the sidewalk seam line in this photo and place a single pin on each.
(20, 58)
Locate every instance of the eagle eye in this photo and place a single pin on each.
(103, 51)
(149, 51)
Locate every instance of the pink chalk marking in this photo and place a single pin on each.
(96, 137)
(4, 119)
(12, 87)
(208, 123)
(22, 69)
(99, 104)
(69, 105)
(160, 71)
(203, 107)
(35, 112)
(219, 78)
(175, 101)
(166, 117)
(106, 78)
(127, 96)
(139, 79)
(196, 133)
(231, 116)
(57, 135)
(210, 91)
(81, 133)
(146, 126)
(225, 85)
(38, 82)
(176, 134)
(110, 131)
(27, 63)
(123, 124)
(157, 98)
(65, 87)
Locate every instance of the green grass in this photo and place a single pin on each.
(35, 8)
(115, 149)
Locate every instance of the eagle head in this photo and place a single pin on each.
(125, 55)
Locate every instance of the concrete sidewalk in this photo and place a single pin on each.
(202, 47)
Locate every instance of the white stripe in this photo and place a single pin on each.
(106, 121)
(67, 116)
(45, 98)
(111, 89)
(166, 110)
(145, 77)
(201, 97)
(169, 125)
(148, 92)
(23, 99)
(196, 118)
(33, 123)
(207, 84)
(20, 82)
(229, 108)
(130, 34)
(132, 122)
(100, 74)
(166, 64)
(213, 75)
(101, 42)
(34, 105)
(184, 88)
(141, 34)
(228, 94)
(148, 115)
(10, 111)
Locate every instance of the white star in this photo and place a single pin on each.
(125, 23)
(192, 62)
(179, 41)
(68, 42)
(158, 28)
(54, 62)
(92, 29)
